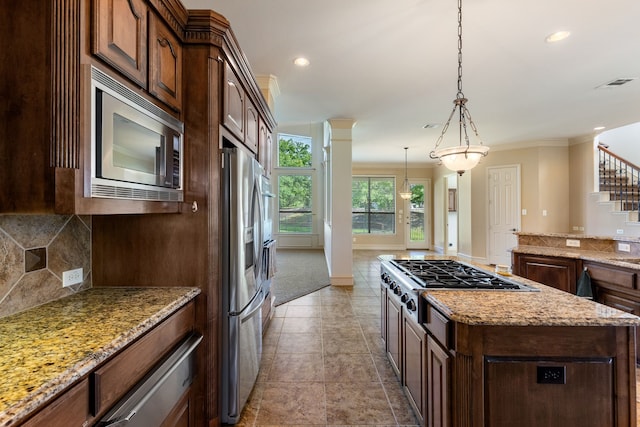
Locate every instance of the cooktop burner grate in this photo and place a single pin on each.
(451, 275)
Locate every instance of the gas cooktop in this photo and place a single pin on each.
(450, 274)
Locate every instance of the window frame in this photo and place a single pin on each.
(281, 171)
(369, 212)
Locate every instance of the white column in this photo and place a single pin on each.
(338, 230)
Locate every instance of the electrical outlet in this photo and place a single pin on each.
(573, 243)
(552, 374)
(619, 231)
(624, 247)
(72, 277)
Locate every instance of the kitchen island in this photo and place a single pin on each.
(52, 350)
(546, 358)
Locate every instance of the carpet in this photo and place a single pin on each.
(298, 272)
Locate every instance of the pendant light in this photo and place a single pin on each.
(406, 187)
(463, 156)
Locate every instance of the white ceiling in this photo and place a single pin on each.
(392, 66)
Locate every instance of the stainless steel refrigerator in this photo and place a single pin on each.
(242, 292)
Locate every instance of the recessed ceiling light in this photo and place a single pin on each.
(597, 128)
(301, 61)
(557, 36)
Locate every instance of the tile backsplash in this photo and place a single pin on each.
(34, 252)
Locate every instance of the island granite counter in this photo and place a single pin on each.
(547, 358)
(45, 350)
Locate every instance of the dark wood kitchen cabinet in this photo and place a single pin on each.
(70, 409)
(46, 87)
(252, 133)
(497, 375)
(234, 103)
(616, 287)
(437, 408)
(184, 249)
(394, 334)
(165, 63)
(93, 395)
(265, 147)
(414, 365)
(120, 36)
(560, 273)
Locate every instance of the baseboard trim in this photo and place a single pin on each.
(341, 280)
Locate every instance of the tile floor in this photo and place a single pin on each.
(323, 362)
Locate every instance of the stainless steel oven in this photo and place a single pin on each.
(136, 146)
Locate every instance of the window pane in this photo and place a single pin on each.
(359, 223)
(294, 195)
(382, 194)
(294, 151)
(382, 224)
(360, 194)
(373, 205)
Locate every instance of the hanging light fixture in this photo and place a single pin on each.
(406, 187)
(463, 156)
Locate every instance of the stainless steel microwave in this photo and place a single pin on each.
(136, 146)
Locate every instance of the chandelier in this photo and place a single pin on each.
(462, 157)
(406, 187)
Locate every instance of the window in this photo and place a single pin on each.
(373, 205)
(295, 213)
(294, 151)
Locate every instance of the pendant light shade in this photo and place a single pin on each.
(406, 187)
(464, 156)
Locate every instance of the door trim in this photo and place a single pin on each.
(518, 196)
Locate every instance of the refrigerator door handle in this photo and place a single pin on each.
(258, 224)
(255, 309)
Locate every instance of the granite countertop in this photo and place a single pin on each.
(46, 349)
(548, 307)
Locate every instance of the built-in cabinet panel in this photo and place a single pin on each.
(560, 273)
(265, 147)
(438, 383)
(233, 106)
(165, 64)
(251, 136)
(616, 287)
(534, 393)
(394, 335)
(120, 36)
(70, 409)
(414, 365)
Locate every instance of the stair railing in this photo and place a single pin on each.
(620, 178)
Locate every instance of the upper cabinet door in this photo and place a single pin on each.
(120, 36)
(165, 64)
(251, 137)
(233, 103)
(265, 146)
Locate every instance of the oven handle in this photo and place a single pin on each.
(187, 352)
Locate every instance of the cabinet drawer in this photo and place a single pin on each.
(116, 377)
(611, 277)
(70, 409)
(440, 327)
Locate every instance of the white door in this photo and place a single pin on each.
(418, 221)
(504, 212)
